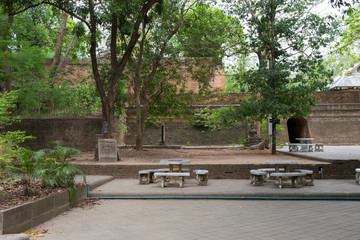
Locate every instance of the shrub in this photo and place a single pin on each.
(53, 168)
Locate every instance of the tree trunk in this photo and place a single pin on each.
(59, 45)
(55, 68)
(273, 143)
(6, 64)
(141, 112)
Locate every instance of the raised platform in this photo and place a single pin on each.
(227, 189)
(336, 162)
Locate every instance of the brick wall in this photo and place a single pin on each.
(332, 170)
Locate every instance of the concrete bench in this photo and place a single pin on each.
(293, 147)
(257, 177)
(147, 176)
(268, 171)
(301, 147)
(319, 147)
(308, 179)
(177, 175)
(357, 175)
(202, 177)
(295, 177)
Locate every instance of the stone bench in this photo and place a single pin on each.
(301, 147)
(293, 147)
(177, 175)
(268, 171)
(357, 175)
(308, 179)
(257, 177)
(319, 147)
(202, 177)
(147, 176)
(295, 177)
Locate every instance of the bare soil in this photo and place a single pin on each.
(12, 193)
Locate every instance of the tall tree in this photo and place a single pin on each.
(112, 19)
(8, 9)
(287, 38)
(179, 42)
(347, 50)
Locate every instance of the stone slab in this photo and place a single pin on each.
(107, 150)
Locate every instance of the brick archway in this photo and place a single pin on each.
(297, 128)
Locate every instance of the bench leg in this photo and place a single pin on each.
(144, 178)
(152, 177)
(280, 182)
(295, 181)
(202, 179)
(309, 180)
(181, 182)
(163, 179)
(357, 177)
(258, 180)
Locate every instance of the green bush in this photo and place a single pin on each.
(10, 140)
(53, 168)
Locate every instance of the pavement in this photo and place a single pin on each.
(207, 220)
(329, 154)
(224, 189)
(225, 209)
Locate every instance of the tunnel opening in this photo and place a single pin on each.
(297, 128)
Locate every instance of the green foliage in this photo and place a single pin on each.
(216, 118)
(207, 32)
(68, 101)
(290, 65)
(346, 53)
(24, 164)
(7, 105)
(10, 140)
(53, 168)
(12, 157)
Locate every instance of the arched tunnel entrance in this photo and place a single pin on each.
(297, 128)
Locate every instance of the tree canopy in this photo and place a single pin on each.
(287, 39)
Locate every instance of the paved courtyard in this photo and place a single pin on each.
(208, 219)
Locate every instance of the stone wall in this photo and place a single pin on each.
(21, 218)
(344, 96)
(332, 124)
(77, 133)
(180, 133)
(331, 170)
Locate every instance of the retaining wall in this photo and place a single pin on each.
(333, 170)
(76, 133)
(21, 218)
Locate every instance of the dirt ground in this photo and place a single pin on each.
(201, 156)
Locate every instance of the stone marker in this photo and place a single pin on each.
(107, 150)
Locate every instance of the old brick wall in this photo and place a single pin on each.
(335, 120)
(77, 133)
(181, 133)
(331, 170)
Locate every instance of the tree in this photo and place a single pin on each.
(158, 69)
(148, 75)
(8, 9)
(286, 37)
(120, 21)
(346, 52)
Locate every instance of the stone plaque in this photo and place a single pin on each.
(107, 150)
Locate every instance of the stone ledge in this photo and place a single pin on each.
(20, 218)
